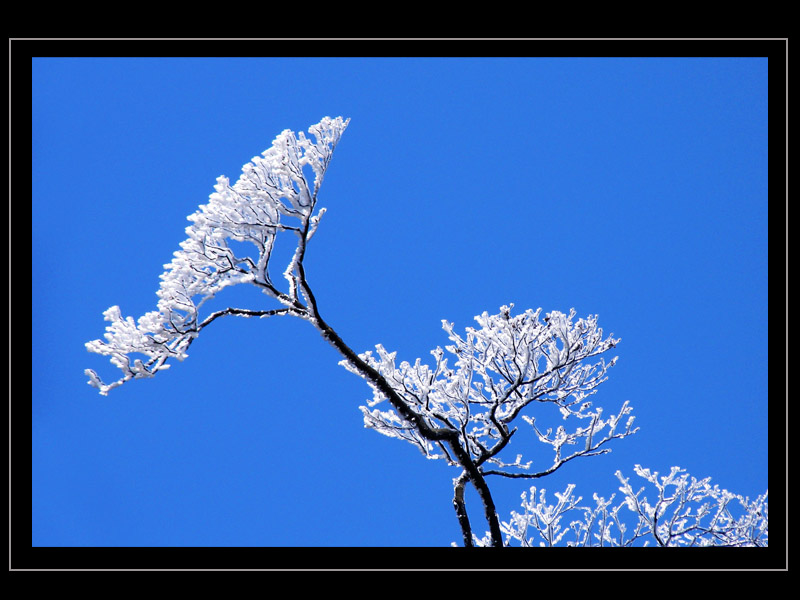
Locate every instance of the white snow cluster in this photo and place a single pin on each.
(501, 368)
(684, 511)
(273, 194)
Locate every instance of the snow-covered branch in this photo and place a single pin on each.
(274, 194)
(500, 371)
(468, 407)
(506, 366)
(684, 512)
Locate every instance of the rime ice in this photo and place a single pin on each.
(507, 365)
(271, 196)
(509, 372)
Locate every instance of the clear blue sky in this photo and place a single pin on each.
(635, 189)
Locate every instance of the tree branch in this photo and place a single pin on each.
(243, 312)
(449, 436)
(461, 509)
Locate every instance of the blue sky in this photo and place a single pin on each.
(631, 188)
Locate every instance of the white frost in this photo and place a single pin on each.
(272, 195)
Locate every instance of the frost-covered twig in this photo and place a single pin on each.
(507, 367)
(686, 512)
(272, 189)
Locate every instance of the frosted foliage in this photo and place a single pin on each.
(683, 511)
(523, 381)
(273, 194)
(505, 366)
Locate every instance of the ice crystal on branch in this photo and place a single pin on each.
(500, 369)
(683, 512)
(272, 195)
(491, 387)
